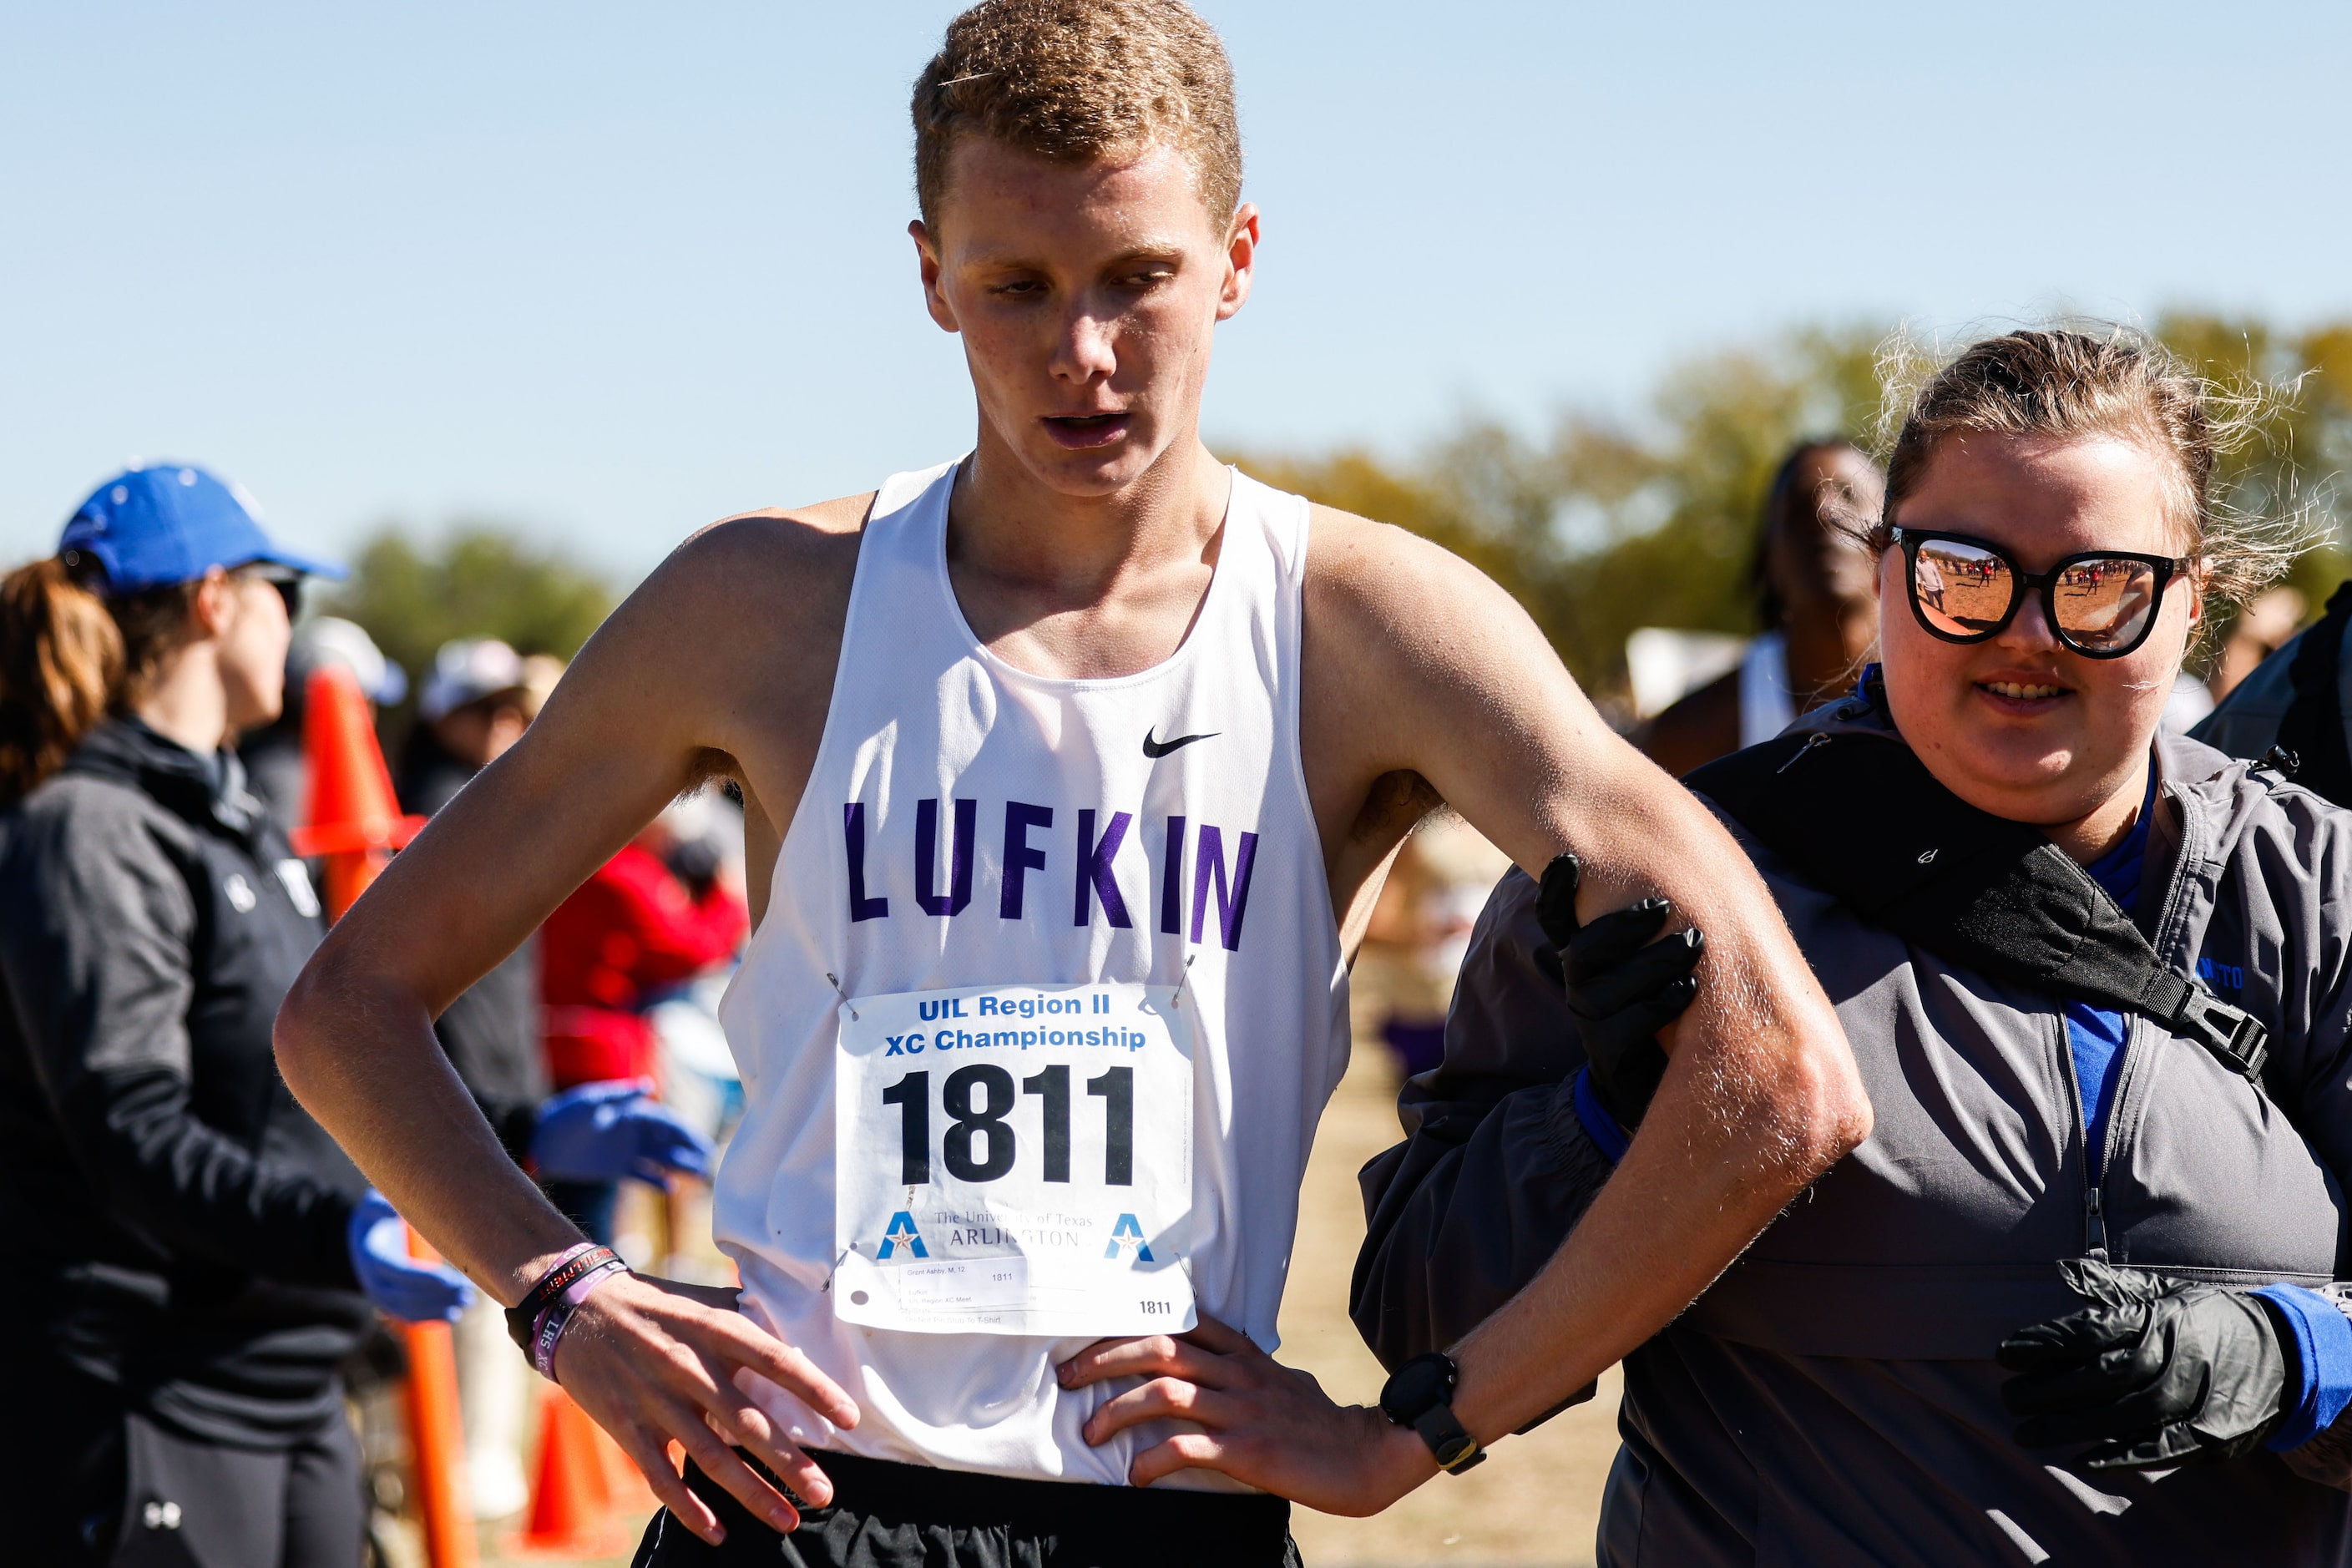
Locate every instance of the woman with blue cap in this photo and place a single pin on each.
(193, 1256)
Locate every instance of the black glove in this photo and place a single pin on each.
(2157, 1375)
(1622, 987)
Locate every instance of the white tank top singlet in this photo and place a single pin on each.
(969, 825)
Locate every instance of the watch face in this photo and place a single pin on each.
(1419, 1384)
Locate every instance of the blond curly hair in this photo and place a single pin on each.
(1077, 80)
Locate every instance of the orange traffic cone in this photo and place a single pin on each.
(437, 1437)
(351, 817)
(571, 1512)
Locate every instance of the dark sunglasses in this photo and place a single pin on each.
(285, 579)
(2101, 604)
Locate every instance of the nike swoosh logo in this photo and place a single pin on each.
(1156, 750)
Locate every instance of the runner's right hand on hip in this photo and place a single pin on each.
(655, 1362)
(1623, 987)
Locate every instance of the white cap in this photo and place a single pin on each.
(468, 670)
(330, 640)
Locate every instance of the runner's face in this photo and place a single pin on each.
(1086, 297)
(2021, 725)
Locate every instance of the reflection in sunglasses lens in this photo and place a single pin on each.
(2103, 604)
(1961, 591)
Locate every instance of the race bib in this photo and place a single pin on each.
(1015, 1160)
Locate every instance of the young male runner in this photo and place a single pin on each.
(1077, 763)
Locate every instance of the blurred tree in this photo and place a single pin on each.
(1354, 481)
(2305, 443)
(1607, 525)
(477, 580)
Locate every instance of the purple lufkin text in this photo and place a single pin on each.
(1220, 888)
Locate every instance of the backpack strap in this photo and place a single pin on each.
(1860, 816)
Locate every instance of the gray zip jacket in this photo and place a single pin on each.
(1833, 1398)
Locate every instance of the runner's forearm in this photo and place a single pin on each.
(1695, 1188)
(362, 1057)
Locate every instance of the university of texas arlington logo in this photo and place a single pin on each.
(901, 1232)
(1125, 1234)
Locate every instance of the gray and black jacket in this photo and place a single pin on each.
(175, 1220)
(1833, 1399)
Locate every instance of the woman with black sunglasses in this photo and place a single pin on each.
(2074, 1300)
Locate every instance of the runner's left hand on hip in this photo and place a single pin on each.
(1264, 1423)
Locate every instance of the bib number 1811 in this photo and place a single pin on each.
(980, 1144)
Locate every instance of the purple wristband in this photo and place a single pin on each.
(547, 1332)
(575, 1262)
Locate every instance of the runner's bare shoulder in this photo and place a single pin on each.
(752, 589)
(728, 647)
(788, 561)
(1389, 601)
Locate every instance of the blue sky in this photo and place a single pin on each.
(612, 271)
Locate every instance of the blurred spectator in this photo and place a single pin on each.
(274, 766)
(2186, 708)
(191, 1256)
(2262, 629)
(1813, 578)
(1402, 981)
(477, 704)
(655, 917)
(540, 672)
(2294, 698)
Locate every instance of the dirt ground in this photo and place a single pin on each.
(1536, 1501)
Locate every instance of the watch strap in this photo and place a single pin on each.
(1419, 1395)
(1455, 1450)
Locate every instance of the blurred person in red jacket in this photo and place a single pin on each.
(653, 917)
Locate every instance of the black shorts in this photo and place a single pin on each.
(886, 1515)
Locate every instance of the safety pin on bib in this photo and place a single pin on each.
(1183, 979)
(843, 996)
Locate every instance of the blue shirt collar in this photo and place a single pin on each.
(2119, 869)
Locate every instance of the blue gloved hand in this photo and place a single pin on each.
(602, 1131)
(406, 1288)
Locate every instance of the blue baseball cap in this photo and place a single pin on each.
(156, 524)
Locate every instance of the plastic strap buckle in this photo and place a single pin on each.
(2233, 1034)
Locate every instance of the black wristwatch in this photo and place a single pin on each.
(1419, 1394)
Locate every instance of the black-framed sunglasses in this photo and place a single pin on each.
(2101, 604)
(285, 579)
